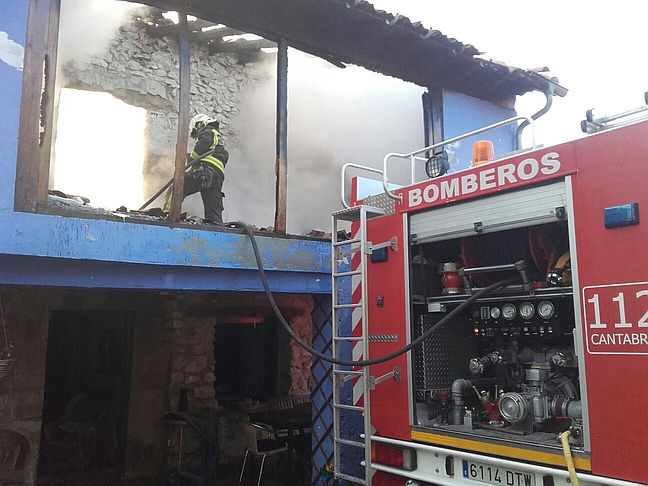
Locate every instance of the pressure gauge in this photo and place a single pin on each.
(526, 310)
(509, 312)
(546, 309)
(495, 312)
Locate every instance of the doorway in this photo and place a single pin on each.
(252, 361)
(87, 389)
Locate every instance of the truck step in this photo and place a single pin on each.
(352, 479)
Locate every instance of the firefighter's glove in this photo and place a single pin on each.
(207, 178)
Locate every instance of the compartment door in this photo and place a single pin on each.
(513, 209)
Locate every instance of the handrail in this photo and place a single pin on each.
(356, 166)
(413, 157)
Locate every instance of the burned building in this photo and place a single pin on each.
(113, 317)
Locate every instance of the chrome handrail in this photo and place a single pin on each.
(355, 166)
(412, 155)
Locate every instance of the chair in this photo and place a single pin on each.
(282, 403)
(268, 445)
(84, 434)
(14, 448)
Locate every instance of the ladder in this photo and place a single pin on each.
(343, 374)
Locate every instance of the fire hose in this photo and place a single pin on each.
(189, 165)
(368, 362)
(564, 439)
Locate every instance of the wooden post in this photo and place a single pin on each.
(27, 171)
(281, 167)
(49, 104)
(183, 118)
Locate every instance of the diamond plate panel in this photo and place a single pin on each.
(382, 201)
(444, 356)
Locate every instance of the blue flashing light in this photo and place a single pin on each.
(624, 215)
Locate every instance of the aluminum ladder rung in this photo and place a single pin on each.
(354, 267)
(347, 242)
(348, 306)
(350, 373)
(347, 274)
(353, 479)
(354, 213)
(341, 406)
(353, 443)
(348, 338)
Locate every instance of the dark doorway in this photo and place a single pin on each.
(252, 361)
(87, 388)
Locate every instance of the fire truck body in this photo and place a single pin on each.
(485, 397)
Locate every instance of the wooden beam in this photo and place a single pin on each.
(173, 29)
(212, 34)
(183, 120)
(240, 46)
(27, 170)
(196, 32)
(49, 105)
(281, 166)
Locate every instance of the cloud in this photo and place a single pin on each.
(11, 52)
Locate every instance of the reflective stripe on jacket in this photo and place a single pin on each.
(208, 139)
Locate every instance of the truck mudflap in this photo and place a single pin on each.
(442, 466)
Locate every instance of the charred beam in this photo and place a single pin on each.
(281, 166)
(173, 29)
(213, 34)
(27, 171)
(49, 103)
(240, 46)
(183, 120)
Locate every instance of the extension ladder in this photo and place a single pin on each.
(359, 336)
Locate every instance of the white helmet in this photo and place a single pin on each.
(197, 122)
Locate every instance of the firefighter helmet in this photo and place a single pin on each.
(197, 122)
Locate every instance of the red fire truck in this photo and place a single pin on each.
(519, 288)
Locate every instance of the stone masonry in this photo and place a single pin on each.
(143, 71)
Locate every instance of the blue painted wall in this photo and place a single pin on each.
(13, 23)
(464, 114)
(116, 254)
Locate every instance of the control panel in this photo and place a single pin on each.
(539, 317)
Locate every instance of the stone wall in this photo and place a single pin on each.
(192, 359)
(172, 349)
(143, 71)
(21, 391)
(193, 363)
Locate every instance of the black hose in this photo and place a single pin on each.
(342, 362)
(190, 164)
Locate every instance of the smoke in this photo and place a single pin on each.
(335, 116)
(88, 26)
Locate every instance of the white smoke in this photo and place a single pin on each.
(88, 26)
(335, 116)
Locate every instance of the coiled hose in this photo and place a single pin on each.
(343, 362)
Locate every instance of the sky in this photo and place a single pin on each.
(595, 49)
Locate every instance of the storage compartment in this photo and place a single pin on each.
(505, 367)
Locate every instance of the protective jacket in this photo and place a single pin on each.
(209, 138)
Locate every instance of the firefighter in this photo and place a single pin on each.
(208, 175)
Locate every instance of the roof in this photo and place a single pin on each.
(355, 32)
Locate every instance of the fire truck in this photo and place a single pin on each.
(509, 301)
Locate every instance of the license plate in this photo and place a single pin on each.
(496, 475)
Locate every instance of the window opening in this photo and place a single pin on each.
(99, 148)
